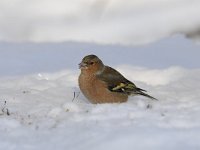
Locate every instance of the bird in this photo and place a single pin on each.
(103, 84)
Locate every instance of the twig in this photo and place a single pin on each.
(75, 96)
(4, 108)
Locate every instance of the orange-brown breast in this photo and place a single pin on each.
(96, 91)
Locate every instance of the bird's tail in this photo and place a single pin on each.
(140, 92)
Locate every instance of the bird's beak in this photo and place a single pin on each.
(82, 65)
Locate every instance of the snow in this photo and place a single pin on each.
(104, 21)
(43, 115)
(42, 107)
(41, 44)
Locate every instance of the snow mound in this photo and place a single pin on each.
(103, 21)
(153, 76)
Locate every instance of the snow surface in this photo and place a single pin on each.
(47, 110)
(41, 106)
(127, 22)
(43, 113)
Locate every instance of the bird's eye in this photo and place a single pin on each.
(91, 63)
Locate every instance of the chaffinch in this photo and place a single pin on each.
(103, 84)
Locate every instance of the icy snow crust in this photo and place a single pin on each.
(43, 114)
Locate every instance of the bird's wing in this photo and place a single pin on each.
(117, 82)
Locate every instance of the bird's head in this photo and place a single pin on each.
(91, 63)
